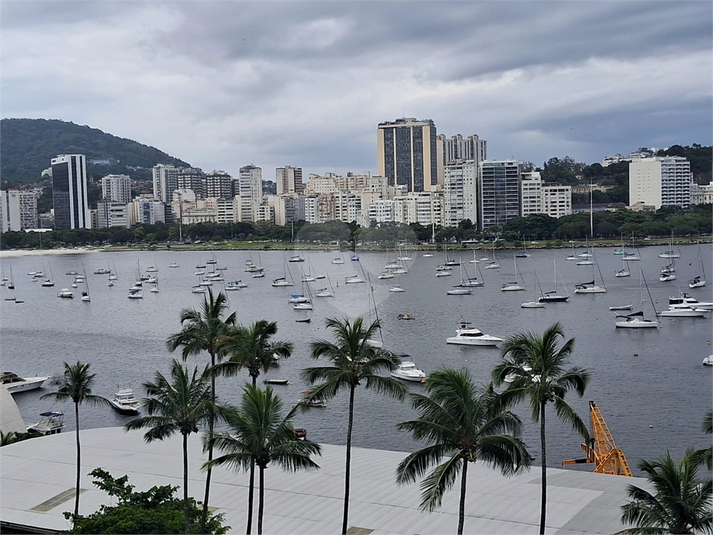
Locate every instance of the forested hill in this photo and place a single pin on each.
(27, 147)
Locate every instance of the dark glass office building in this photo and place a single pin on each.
(69, 192)
(407, 153)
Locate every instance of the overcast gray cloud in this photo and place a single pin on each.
(225, 83)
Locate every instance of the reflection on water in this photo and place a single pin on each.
(650, 386)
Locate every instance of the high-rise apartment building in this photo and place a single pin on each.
(219, 184)
(460, 192)
(69, 192)
(194, 179)
(165, 182)
(18, 210)
(556, 200)
(289, 180)
(530, 193)
(116, 188)
(499, 192)
(660, 181)
(458, 148)
(406, 153)
(250, 191)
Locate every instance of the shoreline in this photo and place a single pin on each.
(275, 246)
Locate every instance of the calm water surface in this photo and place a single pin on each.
(650, 385)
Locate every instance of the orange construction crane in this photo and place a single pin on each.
(607, 458)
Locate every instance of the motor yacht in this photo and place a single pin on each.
(407, 371)
(14, 383)
(124, 402)
(470, 336)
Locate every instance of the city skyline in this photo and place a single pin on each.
(225, 84)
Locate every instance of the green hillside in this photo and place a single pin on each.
(28, 145)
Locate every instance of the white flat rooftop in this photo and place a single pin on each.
(37, 481)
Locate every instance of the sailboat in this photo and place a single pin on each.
(591, 287)
(523, 253)
(636, 320)
(48, 282)
(493, 264)
(534, 304)
(283, 281)
(466, 281)
(306, 302)
(624, 271)
(552, 296)
(668, 272)
(513, 286)
(670, 253)
(326, 291)
(699, 281)
(372, 301)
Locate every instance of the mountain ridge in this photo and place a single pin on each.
(27, 147)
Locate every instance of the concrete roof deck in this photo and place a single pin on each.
(37, 471)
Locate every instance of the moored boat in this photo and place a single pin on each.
(124, 402)
(14, 383)
(407, 371)
(470, 336)
(50, 423)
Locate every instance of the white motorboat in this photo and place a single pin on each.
(173, 265)
(584, 263)
(385, 275)
(621, 307)
(353, 279)
(684, 298)
(14, 383)
(124, 402)
(396, 289)
(310, 401)
(635, 320)
(296, 258)
(667, 277)
(66, 293)
(295, 298)
(427, 255)
(460, 291)
(630, 257)
(444, 273)
(408, 371)
(232, 286)
(532, 304)
(683, 311)
(135, 294)
(102, 271)
(50, 423)
(708, 361)
(337, 260)
(470, 336)
(324, 292)
(199, 289)
(303, 306)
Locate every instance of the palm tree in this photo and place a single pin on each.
(353, 360)
(537, 364)
(76, 384)
(680, 503)
(706, 455)
(461, 423)
(261, 436)
(179, 403)
(201, 331)
(251, 348)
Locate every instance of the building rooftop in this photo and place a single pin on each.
(38, 479)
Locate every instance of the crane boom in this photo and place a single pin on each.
(603, 453)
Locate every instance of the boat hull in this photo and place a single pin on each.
(458, 340)
(637, 324)
(123, 409)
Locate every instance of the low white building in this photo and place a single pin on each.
(556, 200)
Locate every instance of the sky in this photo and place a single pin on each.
(222, 84)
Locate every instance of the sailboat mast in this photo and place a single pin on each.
(591, 210)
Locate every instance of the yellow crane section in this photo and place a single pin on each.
(603, 453)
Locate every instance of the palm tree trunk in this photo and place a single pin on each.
(204, 514)
(347, 478)
(251, 490)
(543, 505)
(79, 459)
(261, 502)
(185, 483)
(251, 496)
(461, 509)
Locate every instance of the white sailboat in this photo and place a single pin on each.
(534, 304)
(493, 264)
(699, 281)
(636, 320)
(591, 287)
(514, 286)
